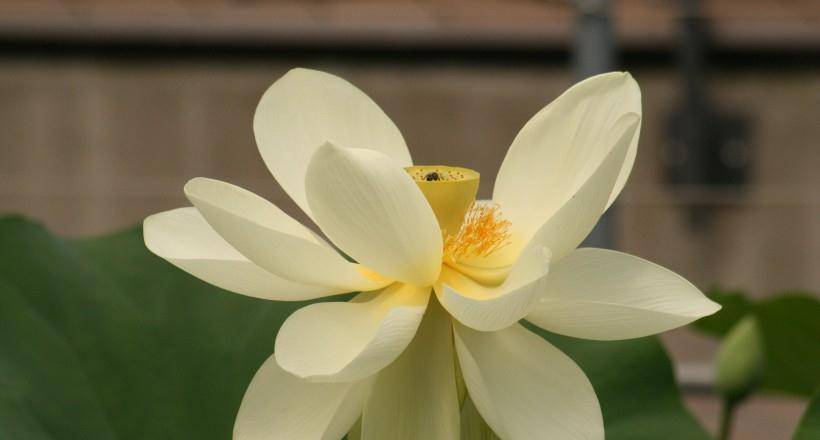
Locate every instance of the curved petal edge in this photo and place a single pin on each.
(525, 388)
(183, 238)
(608, 295)
(343, 342)
(306, 108)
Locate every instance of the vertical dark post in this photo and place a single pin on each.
(594, 50)
(695, 108)
(707, 146)
(594, 53)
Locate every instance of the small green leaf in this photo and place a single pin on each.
(739, 366)
(790, 325)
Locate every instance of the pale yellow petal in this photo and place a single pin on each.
(567, 227)
(278, 405)
(525, 388)
(415, 397)
(562, 145)
(182, 237)
(370, 207)
(343, 342)
(607, 295)
(306, 108)
(273, 240)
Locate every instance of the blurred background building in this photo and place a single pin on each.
(108, 107)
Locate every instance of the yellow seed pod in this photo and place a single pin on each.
(450, 192)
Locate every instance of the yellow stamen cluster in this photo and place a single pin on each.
(482, 233)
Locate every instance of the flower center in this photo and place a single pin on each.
(450, 192)
(483, 232)
(469, 229)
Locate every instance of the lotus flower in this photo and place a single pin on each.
(443, 279)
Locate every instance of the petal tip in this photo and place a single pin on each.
(304, 71)
(298, 71)
(328, 147)
(701, 307)
(148, 225)
(711, 307)
(154, 230)
(626, 80)
(192, 186)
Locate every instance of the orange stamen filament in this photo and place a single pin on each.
(483, 232)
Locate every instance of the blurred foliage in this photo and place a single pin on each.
(102, 340)
(809, 427)
(789, 325)
(740, 360)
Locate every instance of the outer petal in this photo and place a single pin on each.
(493, 308)
(306, 108)
(273, 240)
(525, 388)
(185, 239)
(371, 208)
(343, 342)
(415, 397)
(278, 405)
(573, 221)
(561, 146)
(607, 295)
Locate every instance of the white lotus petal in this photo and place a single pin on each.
(493, 308)
(350, 412)
(415, 397)
(185, 239)
(273, 240)
(561, 146)
(573, 221)
(607, 295)
(343, 342)
(525, 388)
(306, 108)
(371, 208)
(278, 405)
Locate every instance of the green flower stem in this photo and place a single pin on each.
(727, 413)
